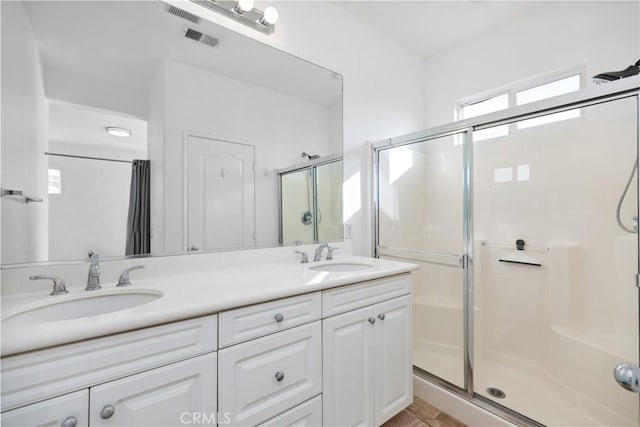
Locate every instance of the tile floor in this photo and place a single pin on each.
(422, 414)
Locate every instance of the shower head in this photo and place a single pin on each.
(631, 70)
(310, 156)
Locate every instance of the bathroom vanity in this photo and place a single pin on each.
(324, 343)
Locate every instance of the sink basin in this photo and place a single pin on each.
(87, 306)
(341, 266)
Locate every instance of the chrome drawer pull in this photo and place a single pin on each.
(107, 412)
(381, 316)
(279, 317)
(69, 422)
(372, 320)
(279, 376)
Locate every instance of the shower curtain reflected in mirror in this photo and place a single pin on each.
(139, 218)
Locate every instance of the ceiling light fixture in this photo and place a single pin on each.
(244, 12)
(121, 132)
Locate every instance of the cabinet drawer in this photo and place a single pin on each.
(259, 320)
(50, 372)
(352, 297)
(51, 412)
(265, 377)
(308, 413)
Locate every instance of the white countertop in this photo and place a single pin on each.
(184, 296)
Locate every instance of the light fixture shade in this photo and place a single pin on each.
(245, 5)
(270, 15)
(116, 131)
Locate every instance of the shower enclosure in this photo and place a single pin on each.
(534, 334)
(310, 205)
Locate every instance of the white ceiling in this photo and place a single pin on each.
(79, 124)
(428, 27)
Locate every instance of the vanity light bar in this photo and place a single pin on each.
(253, 18)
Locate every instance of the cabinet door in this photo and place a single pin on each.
(393, 366)
(67, 411)
(262, 378)
(173, 395)
(348, 341)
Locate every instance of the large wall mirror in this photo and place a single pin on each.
(133, 128)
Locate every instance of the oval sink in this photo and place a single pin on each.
(84, 307)
(341, 266)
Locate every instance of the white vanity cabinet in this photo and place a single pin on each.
(264, 377)
(341, 356)
(148, 377)
(367, 369)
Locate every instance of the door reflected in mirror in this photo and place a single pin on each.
(197, 133)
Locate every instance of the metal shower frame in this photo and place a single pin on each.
(625, 88)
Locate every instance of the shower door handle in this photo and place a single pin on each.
(628, 376)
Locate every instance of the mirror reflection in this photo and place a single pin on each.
(131, 128)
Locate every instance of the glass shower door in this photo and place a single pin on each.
(420, 219)
(555, 316)
(329, 191)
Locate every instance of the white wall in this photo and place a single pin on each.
(208, 105)
(24, 139)
(382, 85)
(91, 211)
(601, 36)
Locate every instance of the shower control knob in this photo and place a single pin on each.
(107, 412)
(372, 320)
(69, 422)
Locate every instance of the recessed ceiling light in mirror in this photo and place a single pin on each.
(121, 132)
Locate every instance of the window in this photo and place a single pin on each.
(520, 95)
(55, 181)
(496, 103)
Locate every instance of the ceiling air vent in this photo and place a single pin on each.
(201, 37)
(209, 40)
(183, 14)
(193, 34)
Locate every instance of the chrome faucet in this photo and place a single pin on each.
(318, 256)
(93, 280)
(303, 257)
(124, 277)
(58, 284)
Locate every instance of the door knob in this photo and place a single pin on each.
(107, 412)
(381, 316)
(628, 376)
(69, 422)
(372, 320)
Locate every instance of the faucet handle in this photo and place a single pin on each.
(58, 284)
(124, 277)
(304, 259)
(330, 250)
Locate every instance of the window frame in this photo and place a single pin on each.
(512, 91)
